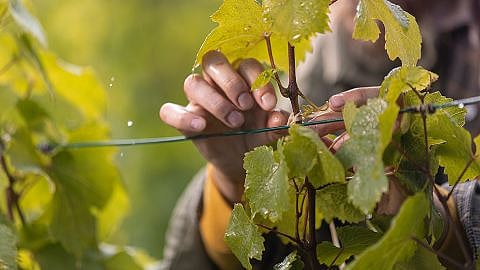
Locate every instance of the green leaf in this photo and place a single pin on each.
(8, 247)
(27, 22)
(266, 183)
(332, 202)
(370, 133)
(55, 257)
(396, 245)
(263, 79)
(241, 34)
(291, 262)
(122, 261)
(243, 237)
(457, 151)
(354, 240)
(287, 223)
(477, 146)
(111, 216)
(402, 34)
(422, 259)
(400, 80)
(297, 19)
(306, 154)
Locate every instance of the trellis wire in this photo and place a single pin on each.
(428, 108)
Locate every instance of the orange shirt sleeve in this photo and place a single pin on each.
(213, 224)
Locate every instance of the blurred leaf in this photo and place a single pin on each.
(122, 261)
(396, 245)
(243, 237)
(22, 152)
(263, 79)
(54, 257)
(296, 20)
(110, 218)
(354, 240)
(27, 22)
(266, 183)
(402, 35)
(292, 262)
(8, 246)
(332, 202)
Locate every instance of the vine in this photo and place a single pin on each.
(346, 186)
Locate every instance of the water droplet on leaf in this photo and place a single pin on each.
(461, 106)
(130, 123)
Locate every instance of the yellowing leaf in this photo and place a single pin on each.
(266, 183)
(243, 237)
(297, 19)
(400, 80)
(263, 79)
(402, 35)
(241, 34)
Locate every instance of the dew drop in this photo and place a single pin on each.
(296, 37)
(122, 154)
(130, 123)
(461, 106)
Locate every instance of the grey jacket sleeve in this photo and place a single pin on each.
(467, 199)
(184, 247)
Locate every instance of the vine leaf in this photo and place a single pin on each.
(243, 237)
(291, 262)
(402, 34)
(263, 79)
(370, 133)
(8, 247)
(266, 183)
(296, 20)
(332, 202)
(354, 240)
(456, 152)
(306, 155)
(401, 79)
(477, 146)
(241, 33)
(422, 259)
(27, 22)
(396, 244)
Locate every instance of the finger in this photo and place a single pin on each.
(249, 69)
(198, 91)
(324, 129)
(228, 80)
(180, 118)
(277, 118)
(357, 95)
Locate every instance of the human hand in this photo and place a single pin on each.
(220, 101)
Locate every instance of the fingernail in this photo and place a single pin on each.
(245, 101)
(268, 101)
(235, 119)
(197, 124)
(337, 101)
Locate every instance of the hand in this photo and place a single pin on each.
(220, 101)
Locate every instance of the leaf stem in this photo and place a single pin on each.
(283, 89)
(460, 177)
(312, 237)
(437, 253)
(274, 230)
(8, 65)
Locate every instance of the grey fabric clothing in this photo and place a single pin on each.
(184, 248)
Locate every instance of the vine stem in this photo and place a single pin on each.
(292, 82)
(12, 196)
(274, 230)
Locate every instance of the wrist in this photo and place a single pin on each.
(231, 188)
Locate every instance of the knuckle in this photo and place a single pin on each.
(191, 82)
(234, 84)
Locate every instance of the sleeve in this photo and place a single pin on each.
(467, 198)
(184, 249)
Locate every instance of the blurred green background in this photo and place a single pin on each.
(142, 51)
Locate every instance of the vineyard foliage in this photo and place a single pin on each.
(59, 204)
(384, 145)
